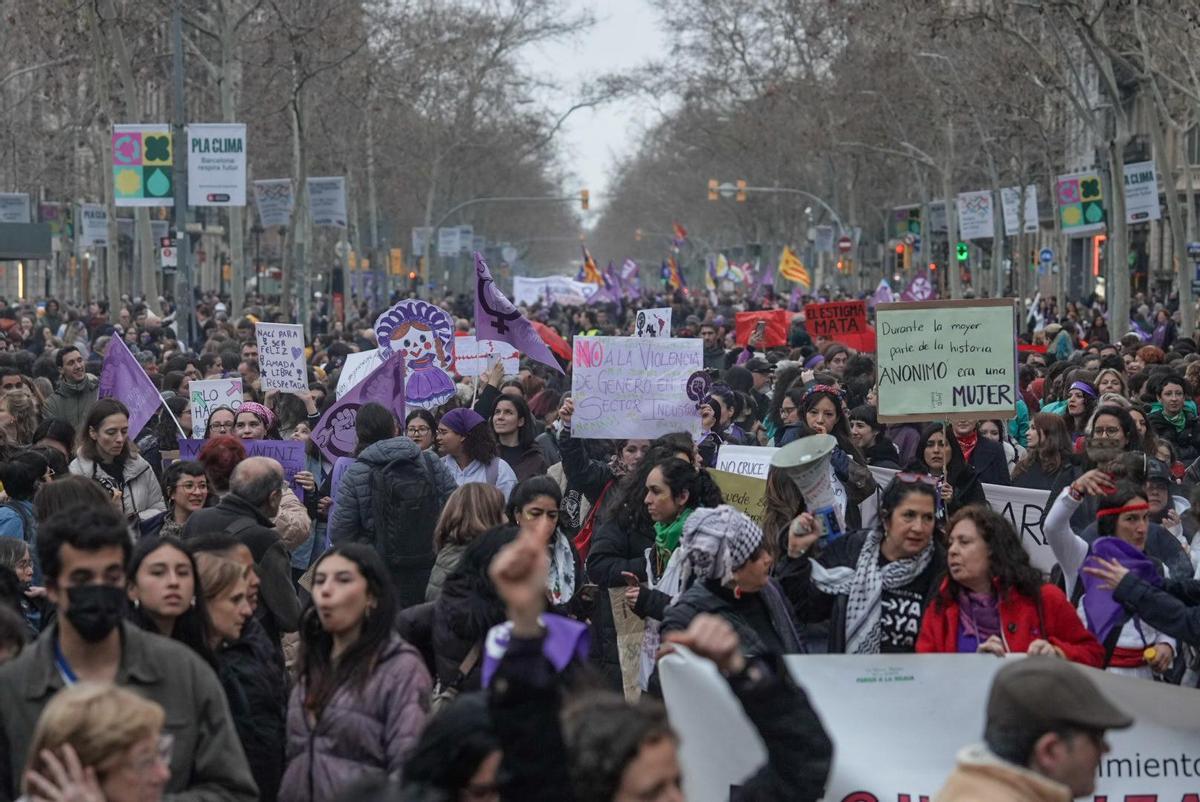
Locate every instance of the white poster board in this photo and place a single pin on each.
(745, 460)
(327, 201)
(474, 357)
(1141, 193)
(216, 164)
(355, 369)
(653, 322)
(274, 198)
(208, 394)
(93, 225)
(281, 356)
(14, 207)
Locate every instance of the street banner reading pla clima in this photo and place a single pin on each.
(216, 162)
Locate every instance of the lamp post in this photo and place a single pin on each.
(257, 230)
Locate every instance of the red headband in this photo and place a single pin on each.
(1126, 508)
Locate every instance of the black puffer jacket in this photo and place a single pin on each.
(763, 621)
(256, 688)
(613, 550)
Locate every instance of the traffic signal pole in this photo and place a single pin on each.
(185, 302)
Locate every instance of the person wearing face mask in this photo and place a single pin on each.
(105, 456)
(872, 586)
(939, 455)
(83, 553)
(1132, 646)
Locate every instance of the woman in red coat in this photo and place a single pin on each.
(993, 601)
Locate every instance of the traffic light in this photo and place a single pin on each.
(412, 279)
(714, 190)
(841, 266)
(741, 191)
(962, 252)
(583, 199)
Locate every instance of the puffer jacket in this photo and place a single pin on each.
(353, 518)
(141, 493)
(256, 689)
(71, 402)
(362, 733)
(613, 550)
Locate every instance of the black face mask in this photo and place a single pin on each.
(95, 610)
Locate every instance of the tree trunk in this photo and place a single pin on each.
(379, 261)
(295, 275)
(953, 274)
(1164, 162)
(230, 83)
(1117, 261)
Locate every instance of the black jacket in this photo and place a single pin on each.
(613, 550)
(811, 604)
(1186, 440)
(256, 688)
(883, 454)
(760, 634)
(990, 462)
(526, 700)
(1173, 609)
(1037, 478)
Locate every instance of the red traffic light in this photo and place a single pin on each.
(899, 250)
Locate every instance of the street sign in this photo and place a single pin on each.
(1046, 256)
(910, 239)
(1193, 250)
(845, 244)
(170, 256)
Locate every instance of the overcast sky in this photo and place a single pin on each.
(626, 34)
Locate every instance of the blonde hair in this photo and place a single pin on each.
(100, 721)
(471, 510)
(26, 414)
(218, 574)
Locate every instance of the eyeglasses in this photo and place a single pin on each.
(418, 430)
(162, 754)
(1108, 431)
(221, 427)
(912, 478)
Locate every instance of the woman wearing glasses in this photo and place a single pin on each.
(220, 422)
(420, 427)
(872, 586)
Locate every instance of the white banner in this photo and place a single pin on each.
(356, 368)
(474, 357)
(274, 198)
(207, 395)
(14, 207)
(1141, 193)
(745, 460)
(555, 289)
(327, 201)
(1022, 506)
(897, 722)
(1010, 200)
(653, 322)
(93, 225)
(976, 215)
(634, 386)
(216, 164)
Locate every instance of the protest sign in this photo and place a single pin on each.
(14, 207)
(274, 199)
(424, 333)
(208, 394)
(355, 369)
(745, 460)
(497, 319)
(835, 320)
(563, 290)
(1023, 507)
(281, 356)
(775, 332)
(288, 453)
(947, 360)
(745, 493)
(654, 322)
(327, 201)
(216, 162)
(634, 386)
(334, 433)
(897, 706)
(475, 357)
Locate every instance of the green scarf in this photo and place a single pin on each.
(666, 537)
(1179, 420)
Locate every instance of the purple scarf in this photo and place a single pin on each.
(978, 619)
(1102, 611)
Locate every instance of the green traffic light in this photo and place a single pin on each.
(963, 253)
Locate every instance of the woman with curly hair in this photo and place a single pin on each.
(993, 601)
(470, 451)
(1049, 455)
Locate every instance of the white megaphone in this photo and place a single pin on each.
(807, 462)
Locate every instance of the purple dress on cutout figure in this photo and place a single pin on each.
(424, 333)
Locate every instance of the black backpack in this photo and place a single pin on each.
(404, 510)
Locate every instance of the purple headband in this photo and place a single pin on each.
(813, 361)
(461, 421)
(1084, 388)
(260, 412)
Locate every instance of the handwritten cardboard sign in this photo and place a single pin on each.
(835, 320)
(745, 493)
(281, 356)
(474, 357)
(947, 360)
(634, 386)
(288, 453)
(745, 460)
(208, 394)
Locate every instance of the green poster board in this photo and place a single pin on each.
(947, 360)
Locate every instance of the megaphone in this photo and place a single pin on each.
(807, 462)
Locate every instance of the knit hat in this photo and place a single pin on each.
(717, 541)
(461, 421)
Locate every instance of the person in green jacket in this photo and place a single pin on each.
(76, 390)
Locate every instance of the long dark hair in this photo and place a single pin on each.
(957, 465)
(628, 505)
(525, 433)
(374, 423)
(527, 491)
(165, 431)
(898, 490)
(1008, 562)
(321, 676)
(22, 475)
(1053, 450)
(841, 425)
(191, 627)
(683, 477)
(783, 382)
(95, 416)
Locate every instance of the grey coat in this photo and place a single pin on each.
(71, 403)
(447, 560)
(353, 519)
(360, 733)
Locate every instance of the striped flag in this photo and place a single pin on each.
(791, 268)
(589, 273)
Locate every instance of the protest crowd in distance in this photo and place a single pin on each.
(629, 544)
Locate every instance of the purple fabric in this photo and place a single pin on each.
(631, 279)
(920, 288)
(794, 299)
(123, 378)
(1102, 611)
(978, 619)
(461, 420)
(497, 319)
(334, 433)
(883, 293)
(565, 640)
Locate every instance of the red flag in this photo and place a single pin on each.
(777, 320)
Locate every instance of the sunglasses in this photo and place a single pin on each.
(912, 478)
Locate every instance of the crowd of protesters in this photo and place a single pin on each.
(444, 621)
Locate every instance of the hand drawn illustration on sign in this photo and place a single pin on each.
(654, 323)
(425, 334)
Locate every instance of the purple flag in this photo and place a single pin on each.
(122, 378)
(566, 640)
(920, 288)
(631, 279)
(334, 433)
(497, 319)
(794, 299)
(883, 293)
(1101, 610)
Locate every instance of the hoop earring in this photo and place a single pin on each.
(737, 591)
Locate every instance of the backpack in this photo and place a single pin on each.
(404, 511)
